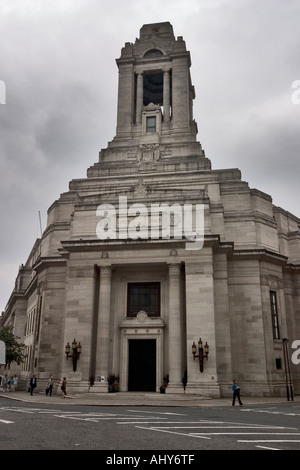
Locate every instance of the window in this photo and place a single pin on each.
(153, 87)
(153, 53)
(143, 296)
(151, 124)
(274, 313)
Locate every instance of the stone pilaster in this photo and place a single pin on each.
(200, 313)
(166, 96)
(139, 98)
(103, 324)
(175, 331)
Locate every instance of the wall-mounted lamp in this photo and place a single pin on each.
(76, 348)
(202, 352)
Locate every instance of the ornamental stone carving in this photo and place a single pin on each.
(140, 189)
(148, 153)
(141, 316)
(105, 272)
(174, 270)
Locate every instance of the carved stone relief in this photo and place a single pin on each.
(148, 153)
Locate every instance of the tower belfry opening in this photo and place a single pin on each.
(153, 88)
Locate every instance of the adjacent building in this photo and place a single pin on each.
(155, 249)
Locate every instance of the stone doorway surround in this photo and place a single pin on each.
(141, 327)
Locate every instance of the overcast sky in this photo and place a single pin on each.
(57, 62)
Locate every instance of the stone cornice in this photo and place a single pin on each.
(48, 261)
(69, 246)
(260, 254)
(14, 297)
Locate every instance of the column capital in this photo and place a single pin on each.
(174, 269)
(105, 272)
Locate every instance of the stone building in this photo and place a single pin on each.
(118, 269)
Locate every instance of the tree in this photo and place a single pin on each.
(14, 349)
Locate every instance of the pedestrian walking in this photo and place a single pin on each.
(32, 384)
(49, 387)
(5, 383)
(64, 387)
(10, 383)
(236, 393)
(14, 383)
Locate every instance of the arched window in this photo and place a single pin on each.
(153, 53)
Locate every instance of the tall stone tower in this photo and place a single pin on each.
(155, 124)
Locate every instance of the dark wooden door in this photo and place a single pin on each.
(142, 365)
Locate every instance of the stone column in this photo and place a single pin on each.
(139, 98)
(175, 331)
(200, 322)
(125, 99)
(166, 96)
(180, 95)
(103, 333)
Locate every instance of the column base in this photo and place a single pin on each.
(99, 387)
(205, 389)
(174, 388)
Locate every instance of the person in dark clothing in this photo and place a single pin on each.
(236, 393)
(64, 387)
(32, 384)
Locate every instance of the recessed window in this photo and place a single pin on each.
(143, 296)
(151, 124)
(153, 53)
(274, 313)
(278, 363)
(153, 87)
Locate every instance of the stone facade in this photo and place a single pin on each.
(118, 278)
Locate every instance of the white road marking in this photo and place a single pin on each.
(220, 427)
(271, 440)
(249, 433)
(271, 412)
(266, 448)
(21, 411)
(158, 412)
(173, 432)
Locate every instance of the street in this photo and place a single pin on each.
(28, 426)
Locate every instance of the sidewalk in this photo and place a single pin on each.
(140, 399)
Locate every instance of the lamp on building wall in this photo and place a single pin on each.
(202, 352)
(288, 379)
(76, 348)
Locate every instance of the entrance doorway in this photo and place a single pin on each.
(142, 365)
